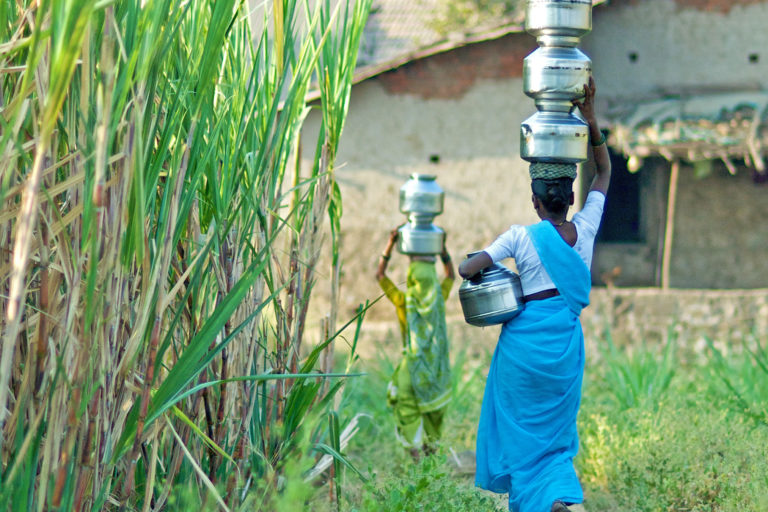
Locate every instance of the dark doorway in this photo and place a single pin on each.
(621, 219)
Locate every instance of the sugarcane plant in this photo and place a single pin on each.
(160, 239)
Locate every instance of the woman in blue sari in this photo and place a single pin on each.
(527, 437)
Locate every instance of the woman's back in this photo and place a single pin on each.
(516, 243)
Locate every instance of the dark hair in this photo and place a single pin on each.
(555, 194)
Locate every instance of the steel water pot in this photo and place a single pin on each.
(493, 296)
(558, 22)
(554, 73)
(421, 194)
(420, 239)
(558, 137)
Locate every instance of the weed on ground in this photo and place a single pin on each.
(654, 435)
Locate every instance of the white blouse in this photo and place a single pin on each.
(515, 243)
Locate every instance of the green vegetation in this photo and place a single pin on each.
(661, 429)
(160, 243)
(687, 442)
(396, 483)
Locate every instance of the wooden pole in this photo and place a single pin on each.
(669, 230)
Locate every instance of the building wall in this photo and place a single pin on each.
(718, 238)
(653, 48)
(636, 263)
(649, 315)
(721, 238)
(643, 48)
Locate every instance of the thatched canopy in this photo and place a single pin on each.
(697, 129)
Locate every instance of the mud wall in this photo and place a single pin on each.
(632, 316)
(648, 47)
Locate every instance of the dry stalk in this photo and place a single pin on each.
(165, 262)
(149, 375)
(86, 459)
(21, 257)
(63, 471)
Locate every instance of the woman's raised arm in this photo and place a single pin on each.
(599, 149)
(381, 271)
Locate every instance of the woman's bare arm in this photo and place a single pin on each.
(381, 271)
(445, 257)
(472, 265)
(599, 149)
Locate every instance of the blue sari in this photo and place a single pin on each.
(527, 437)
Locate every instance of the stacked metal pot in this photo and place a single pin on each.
(421, 199)
(554, 75)
(553, 140)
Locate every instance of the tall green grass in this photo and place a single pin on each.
(160, 243)
(741, 377)
(637, 376)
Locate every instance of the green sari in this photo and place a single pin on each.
(426, 338)
(421, 384)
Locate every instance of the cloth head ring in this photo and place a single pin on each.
(552, 171)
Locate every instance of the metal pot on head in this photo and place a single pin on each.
(557, 137)
(493, 296)
(420, 239)
(421, 194)
(555, 76)
(558, 22)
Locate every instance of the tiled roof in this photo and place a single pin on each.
(402, 30)
(400, 27)
(397, 27)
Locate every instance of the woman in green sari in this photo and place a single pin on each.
(420, 387)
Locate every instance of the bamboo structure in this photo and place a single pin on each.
(669, 225)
